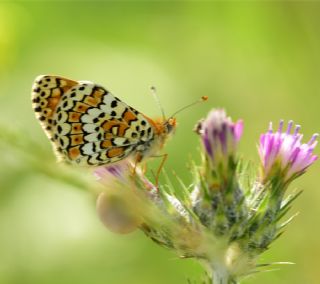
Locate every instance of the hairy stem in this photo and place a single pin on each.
(221, 275)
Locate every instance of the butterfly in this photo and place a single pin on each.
(88, 126)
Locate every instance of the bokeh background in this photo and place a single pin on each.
(260, 61)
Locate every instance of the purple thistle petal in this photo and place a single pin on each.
(207, 144)
(313, 139)
(290, 123)
(113, 172)
(223, 138)
(238, 129)
(294, 155)
(281, 126)
(296, 130)
(270, 128)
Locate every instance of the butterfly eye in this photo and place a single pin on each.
(171, 124)
(172, 121)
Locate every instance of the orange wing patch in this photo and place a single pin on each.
(81, 107)
(91, 101)
(76, 128)
(115, 127)
(98, 94)
(74, 116)
(74, 152)
(106, 144)
(115, 152)
(129, 116)
(77, 139)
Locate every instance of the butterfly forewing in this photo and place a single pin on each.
(87, 124)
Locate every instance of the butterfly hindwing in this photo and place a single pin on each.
(87, 124)
(46, 95)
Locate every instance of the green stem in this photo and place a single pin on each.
(220, 275)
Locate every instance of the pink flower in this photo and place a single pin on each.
(284, 151)
(220, 136)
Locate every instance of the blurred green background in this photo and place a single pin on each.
(260, 61)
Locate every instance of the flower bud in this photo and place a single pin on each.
(114, 205)
(220, 136)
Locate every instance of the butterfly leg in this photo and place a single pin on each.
(164, 159)
(137, 160)
(144, 169)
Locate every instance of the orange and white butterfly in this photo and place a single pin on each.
(88, 126)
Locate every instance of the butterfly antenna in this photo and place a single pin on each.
(202, 99)
(155, 96)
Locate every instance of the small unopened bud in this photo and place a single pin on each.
(115, 214)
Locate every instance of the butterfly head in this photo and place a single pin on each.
(170, 125)
(165, 127)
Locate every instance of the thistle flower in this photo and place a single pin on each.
(220, 137)
(283, 154)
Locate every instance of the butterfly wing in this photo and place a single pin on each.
(87, 124)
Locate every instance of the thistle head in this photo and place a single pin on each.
(283, 155)
(220, 137)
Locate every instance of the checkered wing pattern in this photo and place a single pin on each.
(87, 124)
